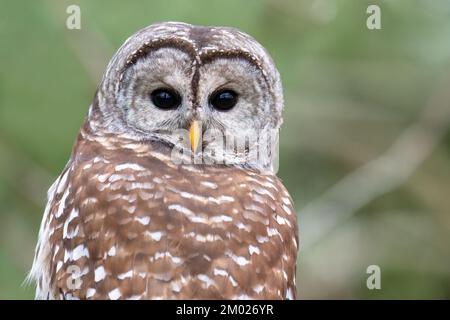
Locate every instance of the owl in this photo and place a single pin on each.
(170, 191)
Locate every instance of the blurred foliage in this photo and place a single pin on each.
(350, 92)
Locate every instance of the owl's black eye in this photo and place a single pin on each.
(224, 100)
(165, 98)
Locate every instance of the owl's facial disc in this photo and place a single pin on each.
(225, 98)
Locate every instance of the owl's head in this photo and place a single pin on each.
(210, 89)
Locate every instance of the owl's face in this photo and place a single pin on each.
(215, 83)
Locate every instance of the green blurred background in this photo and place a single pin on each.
(365, 150)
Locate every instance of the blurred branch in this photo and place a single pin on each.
(381, 175)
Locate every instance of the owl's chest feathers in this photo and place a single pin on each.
(122, 185)
(200, 231)
(128, 167)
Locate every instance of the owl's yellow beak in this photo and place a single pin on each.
(194, 134)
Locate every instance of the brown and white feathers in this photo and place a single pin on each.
(125, 221)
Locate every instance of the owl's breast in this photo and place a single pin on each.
(138, 225)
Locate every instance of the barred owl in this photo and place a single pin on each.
(155, 202)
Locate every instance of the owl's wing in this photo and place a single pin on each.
(96, 225)
(286, 218)
(40, 270)
(268, 212)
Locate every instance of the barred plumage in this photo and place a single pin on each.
(124, 221)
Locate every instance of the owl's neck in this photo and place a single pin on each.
(260, 157)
